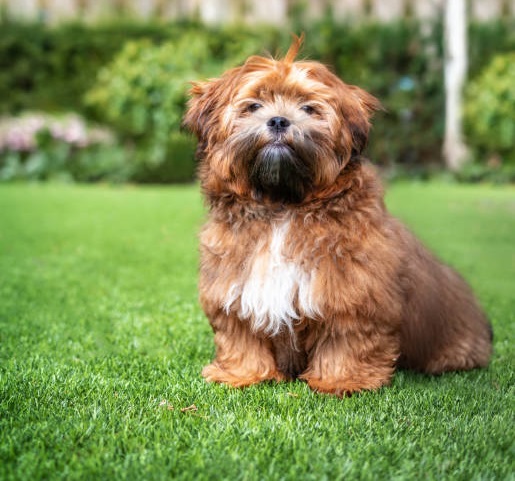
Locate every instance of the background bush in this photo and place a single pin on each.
(39, 146)
(490, 110)
(401, 63)
(44, 68)
(489, 117)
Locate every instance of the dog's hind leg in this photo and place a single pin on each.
(444, 328)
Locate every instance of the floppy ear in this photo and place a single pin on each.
(206, 106)
(353, 108)
(200, 107)
(358, 110)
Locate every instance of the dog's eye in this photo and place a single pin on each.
(308, 109)
(253, 107)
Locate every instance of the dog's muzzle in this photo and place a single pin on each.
(279, 172)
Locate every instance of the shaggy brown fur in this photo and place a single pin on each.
(303, 271)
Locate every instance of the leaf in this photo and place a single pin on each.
(189, 409)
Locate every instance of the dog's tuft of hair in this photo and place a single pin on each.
(303, 272)
(294, 49)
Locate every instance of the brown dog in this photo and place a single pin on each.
(303, 271)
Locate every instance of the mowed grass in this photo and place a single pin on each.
(102, 342)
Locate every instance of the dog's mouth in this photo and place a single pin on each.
(281, 173)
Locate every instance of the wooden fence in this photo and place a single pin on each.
(228, 11)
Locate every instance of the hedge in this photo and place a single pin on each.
(52, 69)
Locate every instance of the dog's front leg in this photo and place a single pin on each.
(242, 358)
(351, 356)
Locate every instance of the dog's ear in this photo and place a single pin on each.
(200, 107)
(353, 108)
(358, 107)
(207, 103)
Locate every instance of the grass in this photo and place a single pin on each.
(102, 342)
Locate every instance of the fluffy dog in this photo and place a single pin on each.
(304, 274)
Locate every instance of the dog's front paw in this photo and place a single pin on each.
(238, 378)
(344, 387)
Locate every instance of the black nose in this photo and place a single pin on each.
(279, 124)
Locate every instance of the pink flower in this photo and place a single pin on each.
(19, 134)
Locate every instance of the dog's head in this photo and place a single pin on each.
(277, 130)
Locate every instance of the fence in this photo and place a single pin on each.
(226, 11)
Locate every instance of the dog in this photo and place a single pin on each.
(304, 274)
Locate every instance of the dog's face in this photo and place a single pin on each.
(277, 130)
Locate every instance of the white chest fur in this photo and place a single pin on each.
(274, 291)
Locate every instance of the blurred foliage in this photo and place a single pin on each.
(487, 40)
(56, 160)
(490, 111)
(134, 76)
(45, 68)
(491, 172)
(39, 146)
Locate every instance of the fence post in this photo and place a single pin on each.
(454, 149)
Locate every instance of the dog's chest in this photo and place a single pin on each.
(274, 290)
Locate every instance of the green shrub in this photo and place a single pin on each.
(490, 111)
(49, 69)
(55, 160)
(487, 39)
(143, 90)
(490, 172)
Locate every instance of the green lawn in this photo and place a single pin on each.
(102, 342)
